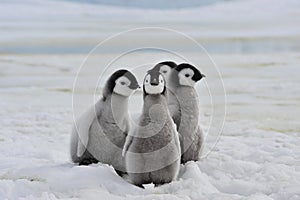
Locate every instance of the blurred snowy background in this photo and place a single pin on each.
(255, 43)
(56, 26)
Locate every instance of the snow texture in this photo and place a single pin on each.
(257, 156)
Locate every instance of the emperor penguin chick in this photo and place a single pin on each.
(152, 150)
(184, 77)
(99, 135)
(166, 68)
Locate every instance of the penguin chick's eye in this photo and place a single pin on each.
(161, 79)
(164, 71)
(123, 81)
(187, 75)
(147, 79)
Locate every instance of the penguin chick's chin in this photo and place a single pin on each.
(150, 89)
(123, 90)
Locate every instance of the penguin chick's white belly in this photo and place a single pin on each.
(191, 136)
(154, 152)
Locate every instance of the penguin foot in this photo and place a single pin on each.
(88, 161)
(120, 173)
(160, 184)
(157, 184)
(140, 185)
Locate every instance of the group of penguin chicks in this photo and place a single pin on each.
(166, 135)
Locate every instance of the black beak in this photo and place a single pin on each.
(134, 86)
(203, 75)
(154, 82)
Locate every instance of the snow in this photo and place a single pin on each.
(254, 159)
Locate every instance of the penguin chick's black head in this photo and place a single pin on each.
(111, 82)
(154, 83)
(186, 75)
(196, 76)
(170, 64)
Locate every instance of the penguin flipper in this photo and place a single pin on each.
(201, 138)
(82, 146)
(127, 144)
(82, 127)
(176, 137)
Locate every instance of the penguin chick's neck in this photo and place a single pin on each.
(188, 99)
(151, 99)
(155, 112)
(118, 105)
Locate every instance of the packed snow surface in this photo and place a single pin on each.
(257, 156)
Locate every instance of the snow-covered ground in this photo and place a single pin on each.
(255, 45)
(257, 156)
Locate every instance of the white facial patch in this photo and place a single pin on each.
(185, 77)
(165, 70)
(154, 89)
(122, 86)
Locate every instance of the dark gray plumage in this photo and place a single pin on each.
(183, 80)
(152, 150)
(166, 68)
(99, 135)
